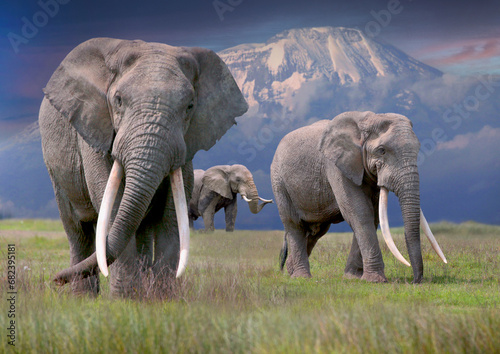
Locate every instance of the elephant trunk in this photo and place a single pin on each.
(408, 193)
(251, 196)
(141, 183)
(143, 175)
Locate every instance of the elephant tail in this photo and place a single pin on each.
(283, 253)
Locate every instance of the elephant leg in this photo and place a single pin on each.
(125, 273)
(209, 213)
(357, 209)
(191, 222)
(354, 267)
(316, 232)
(297, 263)
(283, 252)
(166, 240)
(81, 237)
(230, 211)
(85, 248)
(166, 258)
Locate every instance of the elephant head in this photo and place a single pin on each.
(150, 107)
(382, 149)
(228, 180)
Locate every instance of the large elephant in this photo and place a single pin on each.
(216, 188)
(336, 170)
(120, 123)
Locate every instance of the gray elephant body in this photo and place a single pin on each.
(332, 171)
(217, 188)
(148, 107)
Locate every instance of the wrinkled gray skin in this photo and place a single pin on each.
(343, 163)
(216, 188)
(150, 106)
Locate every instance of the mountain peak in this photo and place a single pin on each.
(342, 55)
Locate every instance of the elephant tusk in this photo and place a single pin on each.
(265, 200)
(246, 199)
(181, 211)
(102, 228)
(384, 226)
(427, 231)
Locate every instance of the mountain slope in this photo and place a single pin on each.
(340, 56)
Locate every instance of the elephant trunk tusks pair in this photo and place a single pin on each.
(108, 200)
(384, 226)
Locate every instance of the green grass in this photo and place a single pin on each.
(31, 225)
(233, 299)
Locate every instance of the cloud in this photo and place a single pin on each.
(460, 51)
(487, 136)
(463, 56)
(459, 181)
(470, 156)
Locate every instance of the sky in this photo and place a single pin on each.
(458, 37)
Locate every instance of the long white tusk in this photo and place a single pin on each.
(384, 226)
(427, 231)
(246, 199)
(265, 200)
(108, 199)
(181, 211)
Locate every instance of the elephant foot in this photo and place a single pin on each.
(300, 275)
(298, 272)
(88, 286)
(353, 275)
(417, 280)
(374, 277)
(229, 230)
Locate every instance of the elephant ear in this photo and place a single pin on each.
(78, 90)
(341, 143)
(217, 179)
(219, 102)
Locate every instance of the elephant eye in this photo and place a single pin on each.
(118, 100)
(380, 151)
(190, 106)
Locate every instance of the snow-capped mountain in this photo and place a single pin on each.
(340, 57)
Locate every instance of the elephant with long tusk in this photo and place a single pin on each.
(120, 123)
(216, 188)
(343, 169)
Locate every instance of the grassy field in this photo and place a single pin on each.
(233, 299)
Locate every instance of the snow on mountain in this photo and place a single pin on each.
(343, 57)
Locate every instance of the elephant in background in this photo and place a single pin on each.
(343, 169)
(120, 123)
(216, 188)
